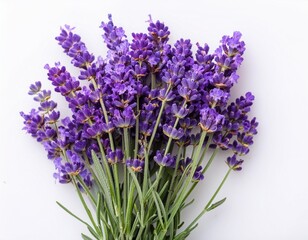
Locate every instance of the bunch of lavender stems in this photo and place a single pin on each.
(142, 122)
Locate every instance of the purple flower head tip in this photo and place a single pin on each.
(115, 156)
(135, 164)
(172, 132)
(125, 119)
(198, 175)
(234, 164)
(35, 88)
(158, 31)
(233, 45)
(167, 161)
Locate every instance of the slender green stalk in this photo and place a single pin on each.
(106, 166)
(170, 138)
(137, 129)
(208, 164)
(157, 123)
(170, 192)
(209, 141)
(211, 200)
(203, 171)
(126, 143)
(99, 234)
(146, 171)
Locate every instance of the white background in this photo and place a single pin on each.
(267, 200)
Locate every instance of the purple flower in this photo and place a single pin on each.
(166, 96)
(158, 31)
(53, 117)
(43, 96)
(93, 131)
(172, 132)
(35, 88)
(166, 161)
(141, 47)
(198, 176)
(232, 45)
(222, 140)
(218, 97)
(84, 115)
(33, 122)
(179, 112)
(220, 81)
(239, 148)
(125, 119)
(80, 146)
(115, 156)
(210, 120)
(244, 103)
(234, 164)
(204, 58)
(74, 47)
(182, 52)
(107, 127)
(47, 106)
(135, 164)
(73, 167)
(113, 36)
(195, 139)
(188, 123)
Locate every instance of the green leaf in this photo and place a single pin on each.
(85, 237)
(98, 210)
(129, 207)
(92, 231)
(215, 205)
(161, 205)
(72, 214)
(183, 235)
(164, 188)
(137, 218)
(104, 183)
(186, 205)
(135, 180)
(160, 209)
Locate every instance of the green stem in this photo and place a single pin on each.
(137, 130)
(203, 171)
(156, 124)
(209, 141)
(170, 138)
(211, 200)
(146, 172)
(170, 192)
(86, 209)
(126, 143)
(208, 164)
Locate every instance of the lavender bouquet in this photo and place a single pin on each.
(143, 122)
